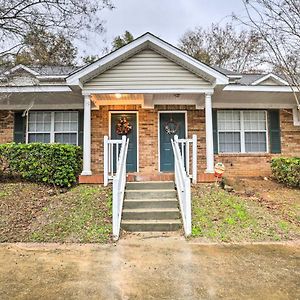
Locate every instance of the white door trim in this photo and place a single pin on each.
(137, 130)
(174, 112)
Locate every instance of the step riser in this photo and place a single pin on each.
(150, 215)
(150, 195)
(150, 204)
(150, 227)
(150, 186)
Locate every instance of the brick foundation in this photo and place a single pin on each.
(6, 127)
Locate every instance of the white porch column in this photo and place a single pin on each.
(209, 134)
(87, 136)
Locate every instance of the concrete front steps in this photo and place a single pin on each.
(150, 206)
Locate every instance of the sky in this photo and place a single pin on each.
(168, 19)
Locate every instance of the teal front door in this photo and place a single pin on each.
(126, 124)
(170, 124)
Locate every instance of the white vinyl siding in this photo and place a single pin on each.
(147, 70)
(242, 131)
(53, 127)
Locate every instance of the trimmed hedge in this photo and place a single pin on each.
(55, 164)
(287, 170)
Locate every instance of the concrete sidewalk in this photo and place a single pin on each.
(150, 267)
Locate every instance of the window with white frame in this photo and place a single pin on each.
(53, 127)
(242, 131)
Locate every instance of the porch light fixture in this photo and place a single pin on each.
(118, 96)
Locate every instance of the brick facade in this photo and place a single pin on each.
(6, 127)
(259, 164)
(236, 164)
(148, 134)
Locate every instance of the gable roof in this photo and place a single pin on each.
(270, 76)
(40, 71)
(147, 40)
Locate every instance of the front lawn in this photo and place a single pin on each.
(37, 213)
(258, 210)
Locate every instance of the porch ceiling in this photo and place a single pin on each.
(148, 100)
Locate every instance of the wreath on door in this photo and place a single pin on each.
(123, 126)
(171, 127)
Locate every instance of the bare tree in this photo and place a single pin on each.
(224, 47)
(73, 18)
(44, 48)
(277, 22)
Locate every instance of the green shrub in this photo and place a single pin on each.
(287, 170)
(55, 164)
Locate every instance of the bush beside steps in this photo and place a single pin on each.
(55, 164)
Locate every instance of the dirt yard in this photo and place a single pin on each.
(37, 213)
(256, 210)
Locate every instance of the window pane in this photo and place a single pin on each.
(39, 121)
(254, 120)
(39, 137)
(255, 142)
(66, 121)
(229, 142)
(229, 120)
(66, 138)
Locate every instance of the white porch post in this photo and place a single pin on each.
(209, 134)
(87, 136)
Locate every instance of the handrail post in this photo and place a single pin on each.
(115, 208)
(188, 208)
(106, 160)
(194, 163)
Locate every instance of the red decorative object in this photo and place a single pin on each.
(219, 170)
(123, 126)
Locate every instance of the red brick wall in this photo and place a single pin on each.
(148, 134)
(236, 164)
(259, 164)
(6, 127)
(290, 134)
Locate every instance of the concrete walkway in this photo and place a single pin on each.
(149, 268)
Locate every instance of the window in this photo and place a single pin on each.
(242, 131)
(53, 127)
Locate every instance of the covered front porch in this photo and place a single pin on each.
(153, 120)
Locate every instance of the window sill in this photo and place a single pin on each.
(254, 154)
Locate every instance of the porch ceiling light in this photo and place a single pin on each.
(118, 96)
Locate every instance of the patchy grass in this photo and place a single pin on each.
(231, 217)
(36, 213)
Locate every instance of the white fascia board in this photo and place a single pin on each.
(270, 76)
(38, 106)
(23, 68)
(266, 88)
(147, 38)
(34, 89)
(51, 76)
(242, 105)
(175, 91)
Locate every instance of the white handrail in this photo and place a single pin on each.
(185, 151)
(119, 182)
(111, 156)
(183, 185)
